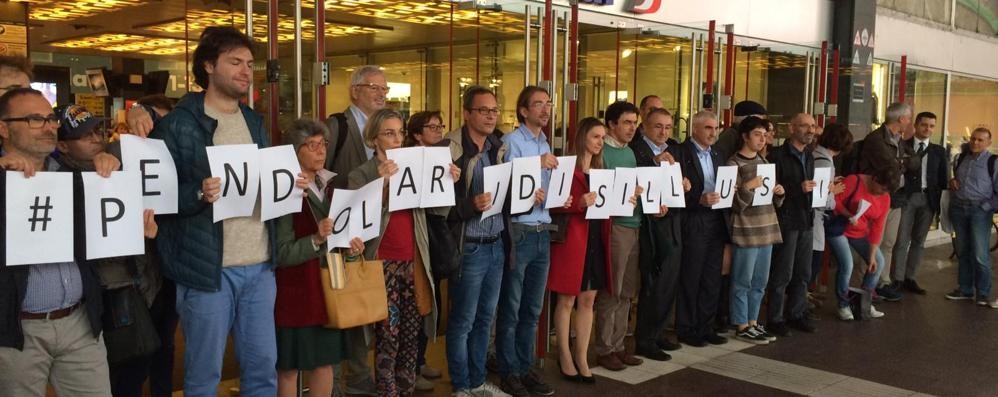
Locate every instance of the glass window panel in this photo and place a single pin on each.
(973, 103)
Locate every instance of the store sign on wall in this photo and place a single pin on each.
(633, 6)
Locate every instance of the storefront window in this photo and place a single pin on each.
(973, 103)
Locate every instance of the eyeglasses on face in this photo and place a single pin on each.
(314, 146)
(434, 127)
(37, 120)
(390, 134)
(484, 111)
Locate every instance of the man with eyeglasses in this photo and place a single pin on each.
(484, 244)
(523, 284)
(50, 314)
(345, 152)
(368, 91)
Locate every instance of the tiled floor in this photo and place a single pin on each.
(925, 345)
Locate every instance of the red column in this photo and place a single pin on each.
(275, 95)
(833, 95)
(729, 72)
(819, 96)
(320, 56)
(573, 73)
(709, 87)
(902, 78)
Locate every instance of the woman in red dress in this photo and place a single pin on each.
(578, 264)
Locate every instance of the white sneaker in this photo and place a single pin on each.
(845, 314)
(994, 304)
(488, 389)
(874, 313)
(463, 393)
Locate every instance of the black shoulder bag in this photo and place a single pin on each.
(129, 332)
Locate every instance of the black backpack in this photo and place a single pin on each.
(341, 131)
(991, 163)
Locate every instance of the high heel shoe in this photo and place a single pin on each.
(577, 378)
(591, 379)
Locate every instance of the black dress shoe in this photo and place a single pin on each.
(668, 345)
(715, 339)
(582, 378)
(912, 286)
(652, 353)
(778, 329)
(695, 342)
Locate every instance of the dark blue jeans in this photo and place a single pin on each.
(973, 235)
(521, 300)
(474, 293)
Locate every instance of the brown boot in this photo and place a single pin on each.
(628, 358)
(610, 362)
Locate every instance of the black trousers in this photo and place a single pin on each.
(789, 276)
(659, 262)
(700, 273)
(127, 377)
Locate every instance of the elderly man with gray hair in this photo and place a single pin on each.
(347, 151)
(882, 148)
(368, 90)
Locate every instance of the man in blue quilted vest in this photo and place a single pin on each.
(223, 271)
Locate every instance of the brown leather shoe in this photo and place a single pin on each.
(628, 358)
(610, 362)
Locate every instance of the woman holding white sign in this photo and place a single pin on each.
(861, 211)
(754, 230)
(579, 259)
(303, 343)
(403, 245)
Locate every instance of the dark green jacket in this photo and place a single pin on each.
(190, 243)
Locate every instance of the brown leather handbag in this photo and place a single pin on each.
(424, 294)
(363, 298)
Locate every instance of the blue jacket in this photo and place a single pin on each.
(190, 244)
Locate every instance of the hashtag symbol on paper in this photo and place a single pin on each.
(44, 209)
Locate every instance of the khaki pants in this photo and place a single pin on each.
(612, 310)
(63, 353)
(891, 227)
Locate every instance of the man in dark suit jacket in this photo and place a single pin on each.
(368, 90)
(661, 243)
(923, 187)
(700, 266)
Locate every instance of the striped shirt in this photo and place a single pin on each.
(493, 225)
(752, 226)
(52, 286)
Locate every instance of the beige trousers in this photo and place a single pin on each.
(612, 310)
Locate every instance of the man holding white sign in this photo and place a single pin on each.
(660, 239)
(700, 270)
(223, 270)
(51, 312)
(613, 303)
(474, 291)
(523, 284)
(791, 269)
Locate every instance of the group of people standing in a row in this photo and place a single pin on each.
(260, 281)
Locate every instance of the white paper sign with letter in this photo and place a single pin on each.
(764, 193)
(355, 213)
(279, 169)
(601, 182)
(114, 214)
(496, 179)
(724, 185)
(403, 187)
(438, 183)
(159, 173)
(39, 225)
(674, 196)
(625, 181)
(239, 168)
(822, 180)
(526, 179)
(560, 186)
(653, 181)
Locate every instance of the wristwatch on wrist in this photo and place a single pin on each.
(200, 195)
